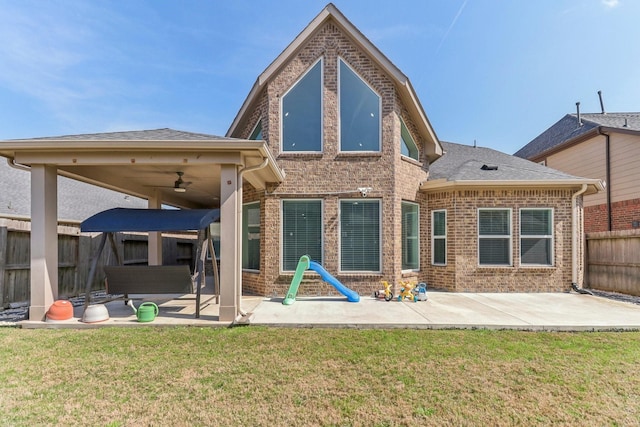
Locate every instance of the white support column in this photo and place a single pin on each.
(154, 248)
(44, 240)
(230, 276)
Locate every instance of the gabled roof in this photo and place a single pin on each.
(164, 134)
(464, 165)
(405, 89)
(567, 131)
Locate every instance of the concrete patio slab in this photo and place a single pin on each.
(442, 310)
(535, 311)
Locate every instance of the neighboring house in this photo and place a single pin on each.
(77, 200)
(369, 194)
(597, 145)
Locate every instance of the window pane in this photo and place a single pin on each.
(408, 146)
(251, 236)
(494, 223)
(439, 251)
(439, 223)
(494, 252)
(360, 235)
(257, 131)
(535, 222)
(359, 113)
(302, 232)
(410, 247)
(536, 251)
(302, 113)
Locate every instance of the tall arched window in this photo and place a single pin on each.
(301, 113)
(360, 110)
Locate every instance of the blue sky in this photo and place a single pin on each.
(495, 71)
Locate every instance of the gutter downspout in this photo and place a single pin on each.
(12, 162)
(608, 178)
(241, 173)
(574, 239)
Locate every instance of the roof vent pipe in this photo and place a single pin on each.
(578, 110)
(626, 124)
(601, 103)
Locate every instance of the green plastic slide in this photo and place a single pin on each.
(303, 265)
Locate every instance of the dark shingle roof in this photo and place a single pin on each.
(567, 129)
(164, 134)
(76, 200)
(465, 163)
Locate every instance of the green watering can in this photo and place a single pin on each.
(147, 312)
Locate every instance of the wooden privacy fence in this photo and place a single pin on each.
(613, 261)
(75, 252)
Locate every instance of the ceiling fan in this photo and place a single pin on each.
(180, 186)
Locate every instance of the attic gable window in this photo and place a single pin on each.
(301, 113)
(408, 147)
(257, 131)
(360, 109)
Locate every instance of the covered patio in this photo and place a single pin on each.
(164, 166)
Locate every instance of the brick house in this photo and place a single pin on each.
(369, 194)
(331, 155)
(602, 145)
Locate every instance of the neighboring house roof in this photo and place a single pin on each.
(405, 89)
(567, 131)
(164, 134)
(478, 166)
(78, 200)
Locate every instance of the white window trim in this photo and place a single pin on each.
(379, 150)
(321, 60)
(493, 236)
(340, 270)
(403, 124)
(434, 237)
(551, 236)
(417, 235)
(252, 270)
(281, 238)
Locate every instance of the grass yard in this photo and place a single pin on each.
(317, 377)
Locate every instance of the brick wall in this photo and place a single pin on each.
(332, 175)
(623, 216)
(462, 272)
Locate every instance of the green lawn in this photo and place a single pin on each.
(284, 377)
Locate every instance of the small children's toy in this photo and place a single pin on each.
(421, 292)
(385, 293)
(407, 292)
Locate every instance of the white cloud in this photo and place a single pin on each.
(611, 3)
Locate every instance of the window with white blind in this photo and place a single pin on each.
(494, 237)
(301, 113)
(251, 236)
(536, 236)
(410, 232)
(360, 235)
(360, 116)
(301, 231)
(439, 237)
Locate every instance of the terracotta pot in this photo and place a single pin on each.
(60, 310)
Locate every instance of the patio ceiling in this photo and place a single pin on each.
(148, 168)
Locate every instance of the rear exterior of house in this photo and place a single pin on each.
(597, 145)
(354, 154)
(357, 149)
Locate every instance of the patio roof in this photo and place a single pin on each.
(145, 163)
